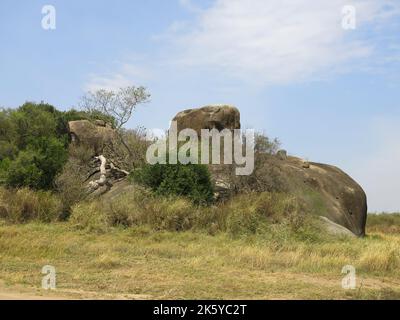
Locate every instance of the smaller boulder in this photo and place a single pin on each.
(282, 154)
(306, 164)
(95, 135)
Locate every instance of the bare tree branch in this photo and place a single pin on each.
(119, 105)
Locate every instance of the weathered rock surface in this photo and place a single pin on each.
(96, 135)
(326, 189)
(105, 169)
(219, 117)
(336, 229)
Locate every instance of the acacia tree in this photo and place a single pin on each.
(119, 105)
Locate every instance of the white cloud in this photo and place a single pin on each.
(108, 82)
(279, 41)
(263, 42)
(128, 74)
(379, 171)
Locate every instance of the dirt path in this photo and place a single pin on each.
(23, 293)
(14, 294)
(26, 293)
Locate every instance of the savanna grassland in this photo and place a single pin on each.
(140, 263)
(161, 233)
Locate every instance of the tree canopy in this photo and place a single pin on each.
(34, 142)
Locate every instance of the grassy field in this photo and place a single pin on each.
(140, 263)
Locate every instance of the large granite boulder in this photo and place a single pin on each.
(325, 190)
(218, 116)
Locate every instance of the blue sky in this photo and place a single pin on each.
(329, 94)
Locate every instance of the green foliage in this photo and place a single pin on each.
(34, 143)
(4, 166)
(187, 180)
(23, 171)
(37, 166)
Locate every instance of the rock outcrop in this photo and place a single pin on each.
(105, 169)
(96, 135)
(219, 117)
(327, 191)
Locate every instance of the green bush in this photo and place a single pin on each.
(37, 166)
(34, 143)
(188, 180)
(4, 167)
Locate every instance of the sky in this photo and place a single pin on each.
(295, 70)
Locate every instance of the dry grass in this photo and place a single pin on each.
(273, 217)
(256, 246)
(22, 205)
(385, 223)
(175, 265)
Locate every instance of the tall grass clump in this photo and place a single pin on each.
(24, 205)
(273, 216)
(70, 183)
(136, 208)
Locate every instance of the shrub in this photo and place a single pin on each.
(189, 180)
(24, 171)
(34, 142)
(4, 167)
(23, 205)
(37, 166)
(69, 186)
(263, 144)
